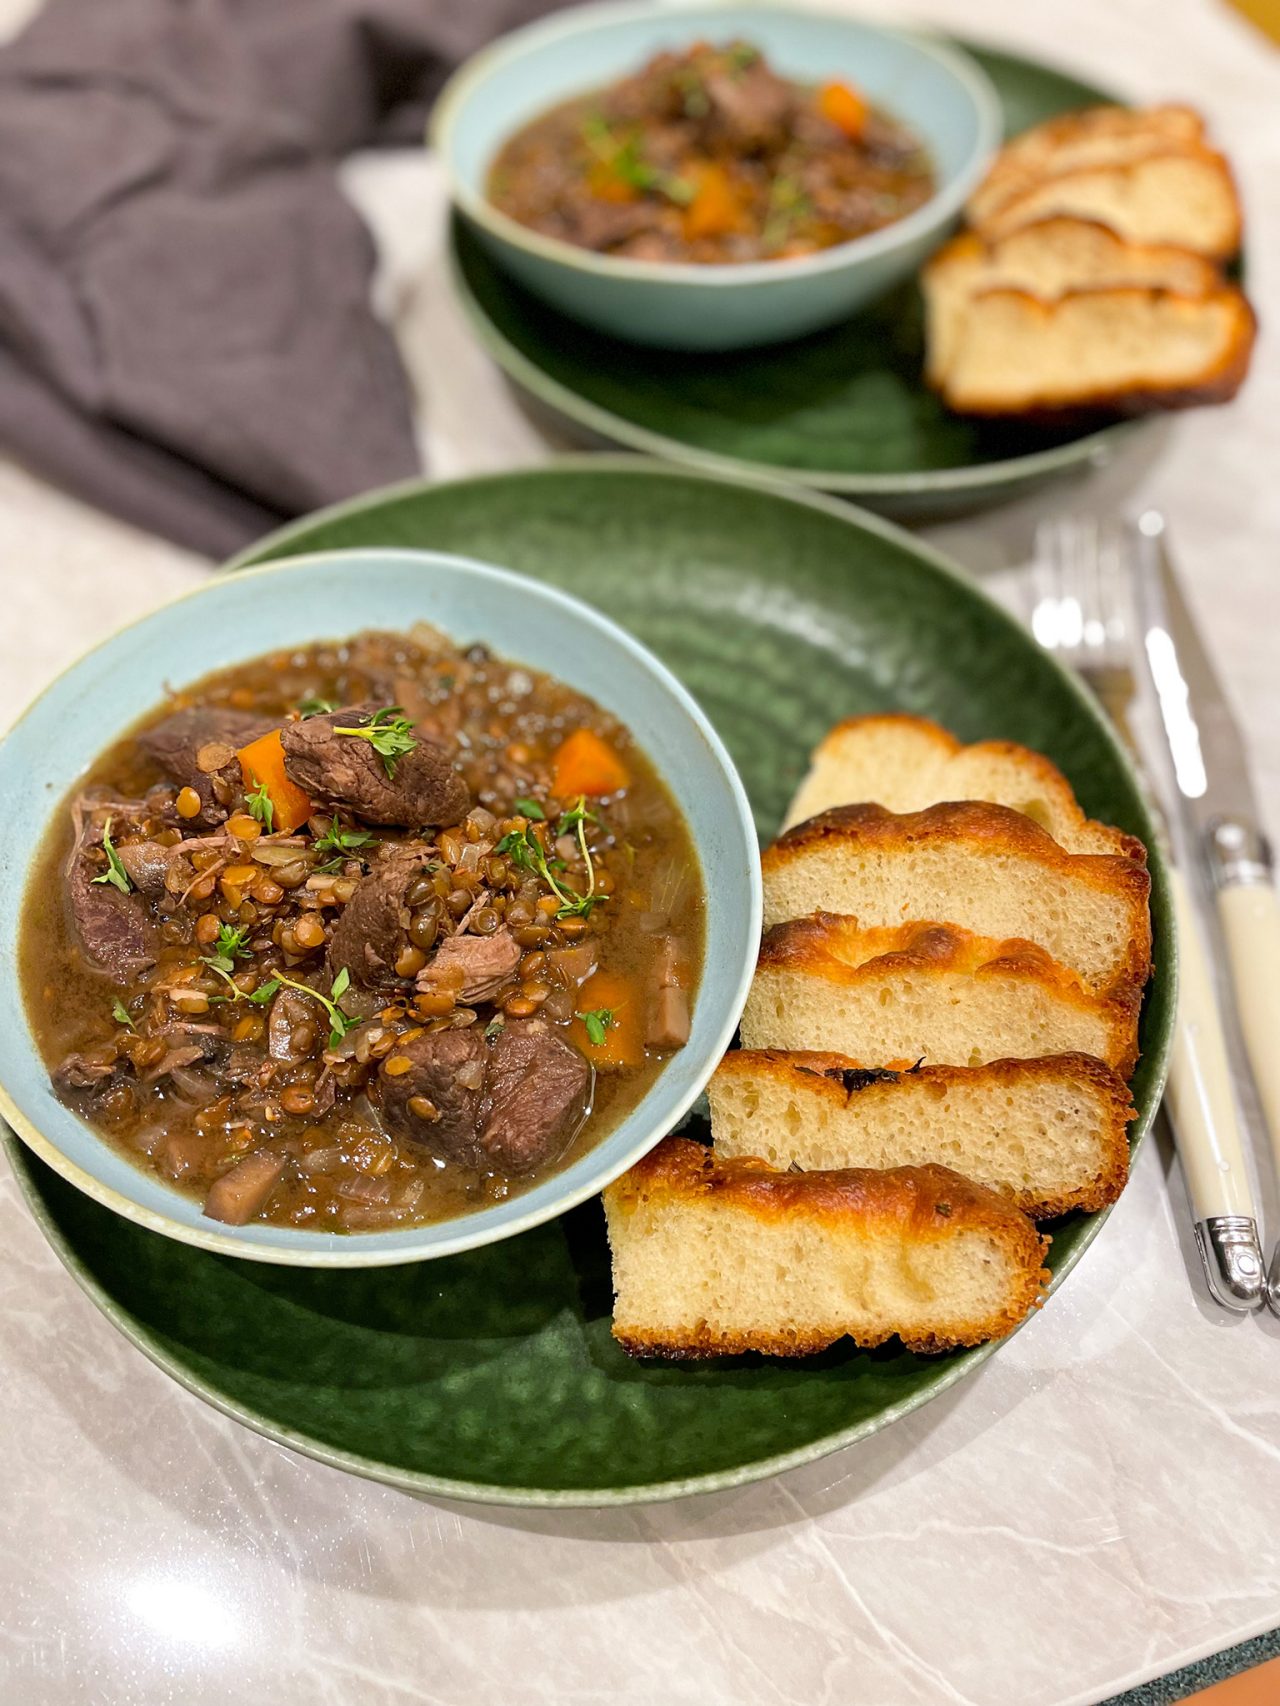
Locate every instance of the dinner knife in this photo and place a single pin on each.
(1219, 817)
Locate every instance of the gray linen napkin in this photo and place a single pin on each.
(185, 331)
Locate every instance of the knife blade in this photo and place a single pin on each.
(1222, 822)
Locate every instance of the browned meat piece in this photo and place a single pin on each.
(196, 748)
(113, 928)
(605, 225)
(423, 788)
(147, 863)
(537, 1094)
(83, 1072)
(372, 929)
(485, 964)
(436, 1102)
(669, 1023)
(750, 108)
(242, 1193)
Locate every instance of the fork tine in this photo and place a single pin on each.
(1081, 588)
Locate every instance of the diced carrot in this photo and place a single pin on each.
(586, 764)
(845, 108)
(262, 764)
(623, 1043)
(606, 184)
(715, 209)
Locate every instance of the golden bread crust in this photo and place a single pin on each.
(1012, 211)
(809, 1073)
(1028, 158)
(837, 948)
(919, 1203)
(985, 828)
(968, 249)
(1216, 384)
(1048, 778)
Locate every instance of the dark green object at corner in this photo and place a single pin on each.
(845, 410)
(493, 1375)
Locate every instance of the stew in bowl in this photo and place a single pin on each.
(709, 155)
(367, 935)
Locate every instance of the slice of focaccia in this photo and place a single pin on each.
(1184, 196)
(1121, 350)
(712, 1258)
(984, 867)
(1049, 1134)
(927, 992)
(906, 763)
(1094, 136)
(1046, 259)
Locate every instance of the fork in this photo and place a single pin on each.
(1083, 611)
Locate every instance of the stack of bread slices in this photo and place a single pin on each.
(1091, 273)
(934, 1055)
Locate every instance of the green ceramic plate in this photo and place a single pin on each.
(844, 410)
(493, 1375)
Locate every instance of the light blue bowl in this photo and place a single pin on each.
(329, 595)
(938, 91)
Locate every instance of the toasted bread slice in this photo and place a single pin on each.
(1048, 1134)
(984, 867)
(712, 1258)
(1095, 136)
(1122, 350)
(906, 763)
(1184, 196)
(927, 992)
(1046, 259)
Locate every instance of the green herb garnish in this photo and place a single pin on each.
(389, 732)
(260, 807)
(526, 853)
(494, 1029)
(693, 94)
(115, 872)
(315, 708)
(741, 56)
(228, 946)
(787, 204)
(339, 1022)
(340, 841)
(120, 1013)
(622, 157)
(598, 1021)
(530, 808)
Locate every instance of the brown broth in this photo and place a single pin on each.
(709, 157)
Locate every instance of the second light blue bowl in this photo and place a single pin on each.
(937, 91)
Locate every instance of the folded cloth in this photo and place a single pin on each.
(185, 330)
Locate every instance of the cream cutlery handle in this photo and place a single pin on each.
(1250, 914)
(1201, 1101)
(1206, 1127)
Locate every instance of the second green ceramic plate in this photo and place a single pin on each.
(845, 410)
(493, 1375)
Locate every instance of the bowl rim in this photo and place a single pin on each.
(474, 1233)
(627, 437)
(931, 215)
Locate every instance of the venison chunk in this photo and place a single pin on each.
(537, 1093)
(422, 788)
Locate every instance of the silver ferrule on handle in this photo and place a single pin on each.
(1232, 1257)
(1239, 854)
